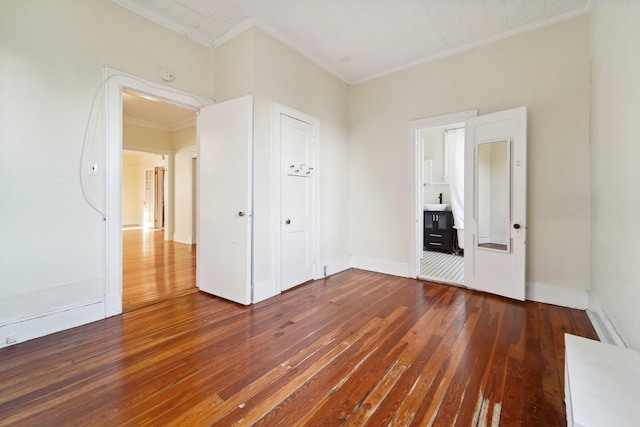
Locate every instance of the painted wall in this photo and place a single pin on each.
(134, 135)
(279, 74)
(615, 152)
(546, 70)
(134, 165)
(434, 149)
(183, 212)
(51, 58)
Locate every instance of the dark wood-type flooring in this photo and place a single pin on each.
(357, 348)
(154, 269)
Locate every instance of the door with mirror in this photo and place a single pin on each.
(495, 188)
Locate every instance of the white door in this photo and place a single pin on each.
(495, 207)
(298, 174)
(225, 143)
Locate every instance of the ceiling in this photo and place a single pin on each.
(358, 40)
(146, 111)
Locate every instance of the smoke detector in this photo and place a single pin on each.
(166, 74)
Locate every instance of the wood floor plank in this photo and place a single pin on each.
(357, 348)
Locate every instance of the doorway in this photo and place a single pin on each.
(158, 248)
(436, 242)
(442, 200)
(495, 199)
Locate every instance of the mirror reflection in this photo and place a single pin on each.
(493, 195)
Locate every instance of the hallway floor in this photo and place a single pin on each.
(154, 269)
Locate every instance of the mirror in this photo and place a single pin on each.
(493, 195)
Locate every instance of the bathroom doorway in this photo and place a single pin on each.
(438, 242)
(442, 254)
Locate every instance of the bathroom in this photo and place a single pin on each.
(441, 259)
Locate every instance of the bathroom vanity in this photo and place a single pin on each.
(438, 231)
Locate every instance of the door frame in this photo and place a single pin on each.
(114, 82)
(277, 111)
(416, 155)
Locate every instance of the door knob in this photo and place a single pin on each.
(240, 213)
(288, 221)
(516, 226)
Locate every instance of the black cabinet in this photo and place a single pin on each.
(438, 231)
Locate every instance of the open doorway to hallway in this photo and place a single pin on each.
(158, 201)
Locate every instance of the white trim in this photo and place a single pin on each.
(335, 267)
(49, 323)
(234, 31)
(394, 268)
(182, 238)
(145, 149)
(288, 41)
(556, 295)
(479, 43)
(601, 323)
(182, 124)
(115, 82)
(415, 180)
(263, 290)
(158, 19)
(277, 110)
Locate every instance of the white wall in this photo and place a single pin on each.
(51, 65)
(615, 136)
(433, 139)
(183, 214)
(546, 70)
(134, 165)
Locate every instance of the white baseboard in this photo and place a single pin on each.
(182, 238)
(39, 326)
(393, 268)
(263, 289)
(601, 323)
(556, 295)
(336, 267)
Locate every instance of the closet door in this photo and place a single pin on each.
(225, 149)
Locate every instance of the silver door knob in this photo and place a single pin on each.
(241, 213)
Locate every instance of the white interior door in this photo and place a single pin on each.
(225, 143)
(296, 202)
(495, 207)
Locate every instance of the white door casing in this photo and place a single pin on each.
(225, 162)
(114, 83)
(297, 175)
(495, 202)
(416, 165)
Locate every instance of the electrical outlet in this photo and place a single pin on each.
(11, 339)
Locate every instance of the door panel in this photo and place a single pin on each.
(225, 144)
(495, 202)
(296, 201)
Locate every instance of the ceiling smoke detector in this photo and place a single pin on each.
(166, 74)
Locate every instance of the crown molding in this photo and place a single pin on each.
(183, 124)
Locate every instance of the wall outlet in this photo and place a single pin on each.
(11, 339)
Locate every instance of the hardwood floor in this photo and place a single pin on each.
(154, 269)
(353, 349)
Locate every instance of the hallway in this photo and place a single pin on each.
(155, 270)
